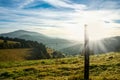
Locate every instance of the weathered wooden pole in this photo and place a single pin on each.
(86, 54)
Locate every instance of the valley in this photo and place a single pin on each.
(26, 59)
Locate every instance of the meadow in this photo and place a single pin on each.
(14, 54)
(102, 67)
(9, 42)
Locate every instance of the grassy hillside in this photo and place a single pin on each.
(41, 38)
(14, 54)
(102, 67)
(20, 54)
(9, 42)
(12, 49)
(1, 41)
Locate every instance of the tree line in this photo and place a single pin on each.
(18, 43)
(38, 49)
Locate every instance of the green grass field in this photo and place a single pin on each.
(102, 67)
(14, 54)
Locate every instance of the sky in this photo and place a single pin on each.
(62, 18)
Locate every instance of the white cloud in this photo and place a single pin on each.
(25, 3)
(104, 4)
(65, 4)
(61, 23)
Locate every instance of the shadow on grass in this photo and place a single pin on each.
(35, 54)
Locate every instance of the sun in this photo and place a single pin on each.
(94, 33)
(97, 33)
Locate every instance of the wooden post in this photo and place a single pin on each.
(86, 54)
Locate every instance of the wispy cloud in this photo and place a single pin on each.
(66, 17)
(25, 3)
(104, 4)
(65, 4)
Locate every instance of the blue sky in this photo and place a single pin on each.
(61, 18)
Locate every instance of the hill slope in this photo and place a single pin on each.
(15, 54)
(106, 45)
(14, 49)
(68, 47)
(102, 67)
(55, 43)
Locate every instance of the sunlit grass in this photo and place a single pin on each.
(14, 54)
(9, 42)
(102, 67)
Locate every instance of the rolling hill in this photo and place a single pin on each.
(55, 43)
(9, 42)
(16, 54)
(66, 46)
(102, 67)
(15, 49)
(105, 45)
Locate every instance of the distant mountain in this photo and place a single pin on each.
(111, 44)
(66, 46)
(25, 35)
(73, 50)
(55, 43)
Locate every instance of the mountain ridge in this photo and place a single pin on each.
(67, 46)
(56, 43)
